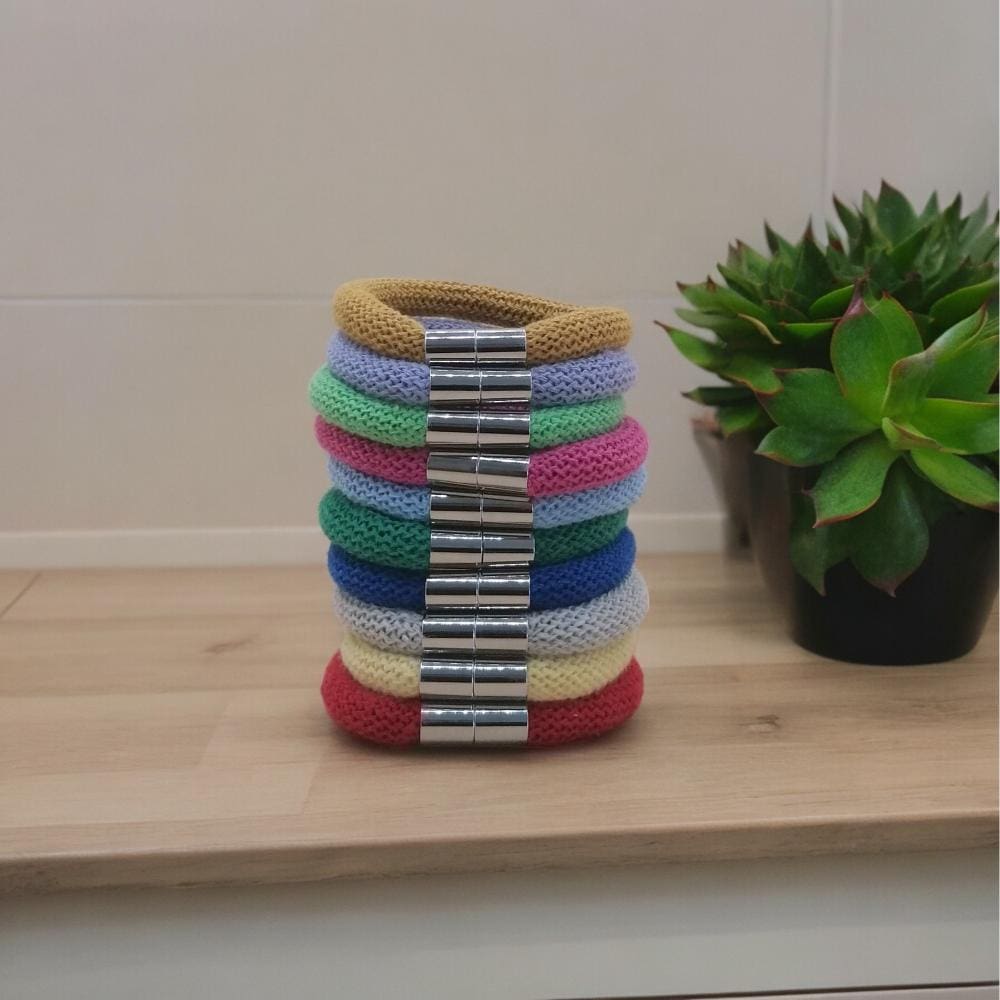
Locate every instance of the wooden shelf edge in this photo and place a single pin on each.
(309, 862)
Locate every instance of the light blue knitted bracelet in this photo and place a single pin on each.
(581, 380)
(412, 503)
(557, 632)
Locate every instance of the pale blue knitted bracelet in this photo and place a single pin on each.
(556, 632)
(581, 380)
(412, 503)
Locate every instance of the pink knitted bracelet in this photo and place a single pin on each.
(596, 461)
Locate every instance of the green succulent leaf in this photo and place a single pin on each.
(833, 304)
(735, 418)
(802, 448)
(959, 477)
(905, 253)
(754, 372)
(969, 372)
(815, 550)
(761, 328)
(865, 346)
(951, 366)
(743, 284)
(734, 331)
(931, 209)
(890, 541)
(959, 426)
(753, 262)
(699, 352)
(719, 395)
(904, 438)
(951, 308)
(848, 219)
(711, 297)
(972, 225)
(852, 482)
(812, 275)
(810, 399)
(776, 243)
(814, 420)
(894, 214)
(804, 332)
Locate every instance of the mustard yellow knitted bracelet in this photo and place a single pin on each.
(378, 313)
(550, 678)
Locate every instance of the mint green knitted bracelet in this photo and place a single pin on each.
(398, 424)
(389, 541)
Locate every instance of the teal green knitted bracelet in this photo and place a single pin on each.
(389, 541)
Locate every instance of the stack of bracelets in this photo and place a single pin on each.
(482, 469)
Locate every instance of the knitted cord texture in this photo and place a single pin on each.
(406, 426)
(556, 586)
(550, 678)
(610, 373)
(396, 721)
(558, 632)
(412, 503)
(565, 469)
(390, 541)
(379, 314)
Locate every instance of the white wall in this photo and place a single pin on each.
(183, 185)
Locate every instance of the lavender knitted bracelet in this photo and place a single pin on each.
(412, 503)
(581, 380)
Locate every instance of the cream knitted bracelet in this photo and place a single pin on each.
(550, 678)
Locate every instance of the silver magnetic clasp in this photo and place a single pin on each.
(447, 679)
(468, 429)
(452, 428)
(500, 724)
(496, 591)
(507, 549)
(451, 385)
(504, 591)
(451, 591)
(449, 636)
(450, 346)
(455, 386)
(456, 510)
(455, 549)
(503, 474)
(501, 347)
(499, 681)
(507, 514)
(447, 724)
(501, 637)
(449, 471)
(508, 386)
(504, 430)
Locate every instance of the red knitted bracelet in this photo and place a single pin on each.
(396, 721)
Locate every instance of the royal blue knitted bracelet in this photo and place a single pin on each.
(557, 586)
(412, 503)
(581, 380)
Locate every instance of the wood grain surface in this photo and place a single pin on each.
(164, 727)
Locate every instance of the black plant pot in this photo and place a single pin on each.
(938, 613)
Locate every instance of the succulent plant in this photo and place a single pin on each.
(870, 362)
(899, 433)
(778, 311)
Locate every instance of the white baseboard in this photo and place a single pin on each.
(273, 546)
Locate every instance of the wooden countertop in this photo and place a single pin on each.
(164, 728)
